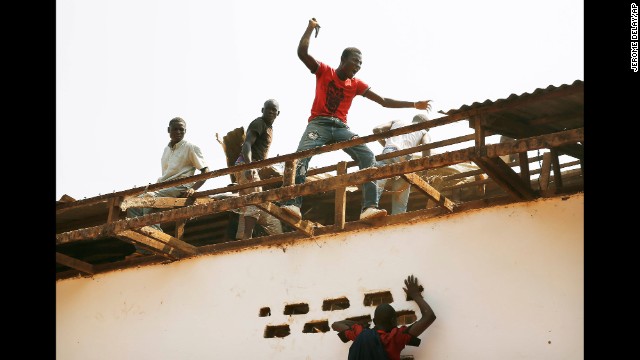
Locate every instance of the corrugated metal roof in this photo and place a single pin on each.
(554, 108)
(513, 96)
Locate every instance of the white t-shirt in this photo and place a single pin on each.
(181, 161)
(405, 141)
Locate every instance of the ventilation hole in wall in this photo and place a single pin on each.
(364, 320)
(375, 299)
(335, 304)
(295, 309)
(320, 326)
(407, 295)
(265, 311)
(278, 331)
(406, 317)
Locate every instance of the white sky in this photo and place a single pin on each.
(126, 67)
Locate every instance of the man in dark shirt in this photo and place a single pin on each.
(256, 145)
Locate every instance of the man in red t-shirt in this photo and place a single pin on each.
(393, 337)
(335, 90)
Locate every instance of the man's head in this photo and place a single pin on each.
(177, 128)
(420, 118)
(270, 111)
(350, 63)
(385, 316)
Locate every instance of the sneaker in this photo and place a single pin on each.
(292, 210)
(372, 212)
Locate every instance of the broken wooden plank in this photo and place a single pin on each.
(160, 202)
(430, 191)
(505, 177)
(555, 162)
(524, 167)
(545, 172)
(150, 244)
(340, 199)
(74, 263)
(115, 213)
(168, 240)
(289, 176)
(304, 226)
(179, 231)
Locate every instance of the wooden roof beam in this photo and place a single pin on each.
(304, 226)
(504, 176)
(160, 202)
(74, 263)
(430, 191)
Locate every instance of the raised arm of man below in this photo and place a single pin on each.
(428, 316)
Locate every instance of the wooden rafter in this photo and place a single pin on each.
(430, 191)
(74, 263)
(304, 226)
(159, 242)
(161, 202)
(504, 176)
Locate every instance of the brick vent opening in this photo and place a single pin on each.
(278, 331)
(406, 317)
(335, 304)
(320, 326)
(265, 311)
(375, 299)
(295, 309)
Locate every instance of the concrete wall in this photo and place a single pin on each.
(505, 283)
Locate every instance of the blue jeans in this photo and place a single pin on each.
(168, 192)
(400, 188)
(326, 130)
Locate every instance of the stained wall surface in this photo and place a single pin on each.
(505, 282)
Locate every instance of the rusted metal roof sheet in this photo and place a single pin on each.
(554, 108)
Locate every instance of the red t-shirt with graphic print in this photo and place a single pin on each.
(334, 96)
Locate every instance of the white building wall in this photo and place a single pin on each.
(505, 282)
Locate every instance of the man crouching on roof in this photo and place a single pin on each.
(180, 159)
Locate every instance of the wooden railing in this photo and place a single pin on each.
(116, 223)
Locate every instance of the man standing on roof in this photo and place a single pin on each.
(335, 90)
(400, 188)
(255, 148)
(180, 159)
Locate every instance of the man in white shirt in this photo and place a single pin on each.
(180, 159)
(399, 187)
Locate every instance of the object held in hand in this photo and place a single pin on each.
(317, 28)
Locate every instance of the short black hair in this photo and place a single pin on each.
(177, 119)
(348, 51)
(384, 315)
